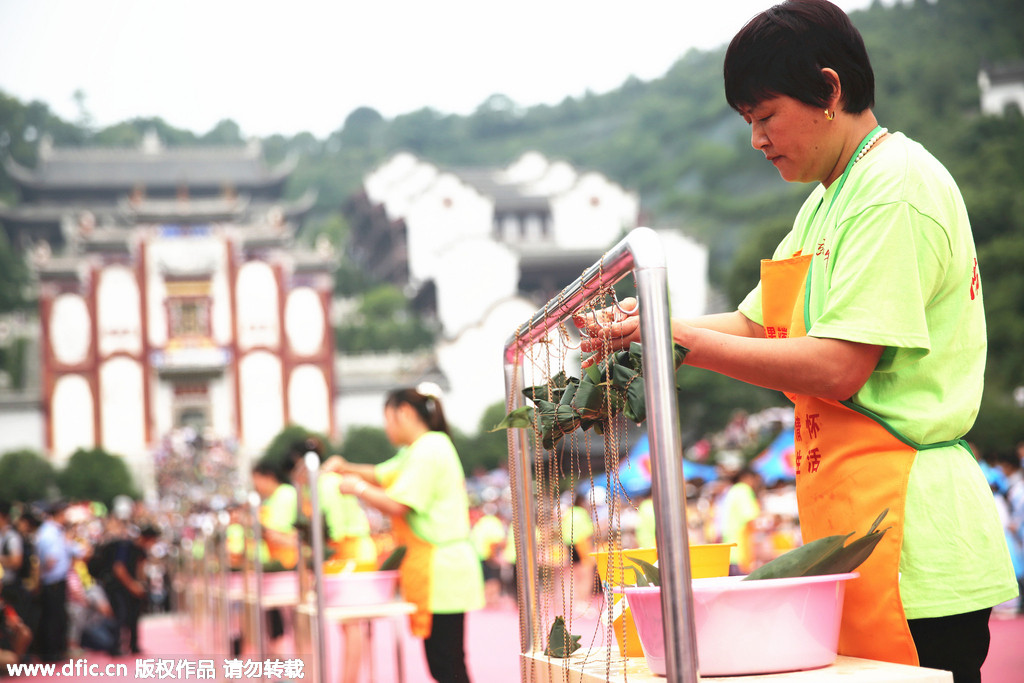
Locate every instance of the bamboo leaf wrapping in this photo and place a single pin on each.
(826, 555)
(611, 387)
(561, 643)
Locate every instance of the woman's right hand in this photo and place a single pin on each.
(336, 463)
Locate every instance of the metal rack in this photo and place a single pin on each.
(640, 252)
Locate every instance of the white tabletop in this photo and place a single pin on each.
(395, 608)
(591, 666)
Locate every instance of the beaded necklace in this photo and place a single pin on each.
(879, 132)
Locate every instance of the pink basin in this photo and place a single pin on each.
(360, 588)
(280, 584)
(750, 627)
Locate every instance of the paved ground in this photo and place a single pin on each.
(493, 644)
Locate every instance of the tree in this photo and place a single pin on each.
(368, 445)
(1001, 262)
(26, 476)
(486, 450)
(385, 322)
(95, 474)
(14, 277)
(362, 128)
(226, 132)
(277, 450)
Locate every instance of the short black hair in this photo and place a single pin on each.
(31, 517)
(1008, 457)
(268, 469)
(149, 531)
(782, 51)
(297, 452)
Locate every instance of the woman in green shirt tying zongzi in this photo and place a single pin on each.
(423, 489)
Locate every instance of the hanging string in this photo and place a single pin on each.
(554, 565)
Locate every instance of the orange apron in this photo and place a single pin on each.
(415, 572)
(285, 553)
(849, 467)
(343, 547)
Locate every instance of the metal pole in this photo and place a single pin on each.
(667, 468)
(526, 541)
(223, 635)
(312, 462)
(640, 251)
(257, 573)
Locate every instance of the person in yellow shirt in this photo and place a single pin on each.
(578, 538)
(645, 523)
(348, 537)
(277, 518)
(489, 536)
(423, 489)
(740, 510)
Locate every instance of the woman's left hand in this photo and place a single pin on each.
(612, 328)
(352, 485)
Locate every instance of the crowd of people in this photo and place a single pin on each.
(1005, 473)
(76, 579)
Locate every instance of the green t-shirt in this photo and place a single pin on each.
(345, 517)
(429, 479)
(646, 530)
(234, 538)
(281, 508)
(739, 507)
(576, 526)
(487, 534)
(894, 264)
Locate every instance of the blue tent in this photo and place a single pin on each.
(777, 462)
(635, 470)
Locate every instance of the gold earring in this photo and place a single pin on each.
(829, 116)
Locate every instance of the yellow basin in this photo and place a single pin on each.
(706, 561)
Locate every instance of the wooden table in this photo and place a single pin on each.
(591, 667)
(389, 611)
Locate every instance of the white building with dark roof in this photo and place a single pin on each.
(1002, 86)
(483, 248)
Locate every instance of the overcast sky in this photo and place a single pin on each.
(300, 65)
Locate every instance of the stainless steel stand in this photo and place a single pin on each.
(639, 252)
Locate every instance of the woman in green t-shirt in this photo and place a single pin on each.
(423, 489)
(870, 317)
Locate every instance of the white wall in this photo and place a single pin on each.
(309, 399)
(22, 428)
(476, 273)
(72, 408)
(305, 321)
(445, 214)
(123, 419)
(686, 266)
(261, 399)
(995, 100)
(119, 325)
(256, 300)
(592, 213)
(70, 329)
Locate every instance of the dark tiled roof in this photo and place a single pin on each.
(241, 209)
(1005, 72)
(507, 196)
(240, 167)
